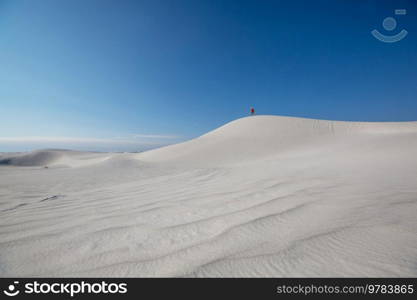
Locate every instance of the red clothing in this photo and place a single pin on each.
(252, 110)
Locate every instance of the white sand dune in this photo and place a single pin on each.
(260, 196)
(52, 157)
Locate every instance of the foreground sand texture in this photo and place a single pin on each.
(260, 196)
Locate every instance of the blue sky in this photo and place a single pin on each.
(132, 75)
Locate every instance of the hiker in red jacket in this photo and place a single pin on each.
(252, 111)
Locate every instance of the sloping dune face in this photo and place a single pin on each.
(256, 138)
(260, 196)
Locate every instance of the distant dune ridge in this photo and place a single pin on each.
(35, 158)
(260, 196)
(52, 157)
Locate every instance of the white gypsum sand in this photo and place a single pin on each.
(260, 196)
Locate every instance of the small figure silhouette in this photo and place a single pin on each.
(252, 111)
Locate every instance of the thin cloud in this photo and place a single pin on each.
(155, 136)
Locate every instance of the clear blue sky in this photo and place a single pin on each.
(127, 75)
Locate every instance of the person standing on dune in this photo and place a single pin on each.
(252, 111)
